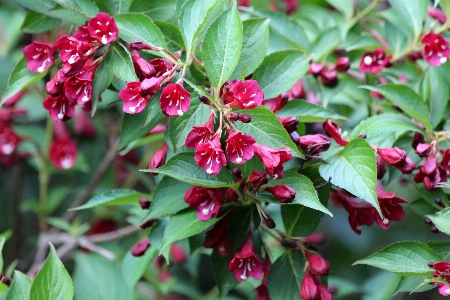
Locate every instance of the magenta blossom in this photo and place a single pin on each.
(175, 100)
(246, 263)
(200, 134)
(40, 56)
(103, 28)
(133, 101)
(374, 62)
(246, 95)
(60, 108)
(390, 207)
(8, 140)
(210, 156)
(239, 147)
(435, 49)
(63, 153)
(273, 159)
(219, 237)
(78, 90)
(207, 201)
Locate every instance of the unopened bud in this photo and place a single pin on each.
(207, 90)
(257, 179)
(295, 137)
(236, 173)
(6, 280)
(423, 150)
(430, 264)
(178, 254)
(140, 248)
(315, 69)
(428, 221)
(308, 290)
(319, 265)
(342, 64)
(159, 158)
(439, 202)
(233, 117)
(270, 223)
(245, 118)
(282, 99)
(437, 14)
(418, 139)
(148, 223)
(434, 229)
(144, 203)
(362, 136)
(282, 192)
(204, 99)
(329, 77)
(289, 123)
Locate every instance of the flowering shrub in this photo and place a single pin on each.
(189, 149)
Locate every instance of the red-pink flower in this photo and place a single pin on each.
(140, 248)
(239, 147)
(78, 90)
(103, 28)
(390, 207)
(374, 62)
(333, 130)
(273, 159)
(63, 153)
(143, 68)
(207, 201)
(159, 158)
(219, 237)
(82, 34)
(437, 14)
(257, 179)
(397, 158)
(282, 192)
(39, 56)
(246, 263)
(210, 156)
(55, 86)
(246, 94)
(442, 270)
(200, 134)
(431, 174)
(175, 100)
(319, 266)
(435, 49)
(314, 144)
(308, 290)
(72, 50)
(60, 108)
(161, 65)
(8, 140)
(133, 101)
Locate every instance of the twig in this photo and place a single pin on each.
(113, 235)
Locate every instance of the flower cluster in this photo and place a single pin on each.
(328, 74)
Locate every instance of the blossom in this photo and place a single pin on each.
(55, 86)
(63, 153)
(161, 65)
(134, 102)
(319, 266)
(103, 28)
(175, 100)
(159, 158)
(308, 289)
(72, 49)
(78, 90)
(140, 248)
(246, 95)
(210, 156)
(40, 56)
(200, 134)
(314, 144)
(239, 147)
(390, 207)
(246, 263)
(435, 49)
(442, 270)
(207, 201)
(374, 62)
(397, 158)
(143, 68)
(60, 108)
(273, 159)
(431, 174)
(282, 192)
(219, 237)
(8, 140)
(332, 130)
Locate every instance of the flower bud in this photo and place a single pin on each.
(437, 14)
(392, 155)
(314, 144)
(150, 86)
(439, 202)
(178, 254)
(295, 137)
(159, 158)
(282, 99)
(332, 130)
(236, 173)
(140, 248)
(381, 167)
(289, 123)
(144, 203)
(148, 223)
(319, 265)
(342, 64)
(315, 69)
(6, 280)
(282, 192)
(204, 99)
(245, 118)
(418, 139)
(233, 117)
(257, 179)
(423, 149)
(309, 287)
(329, 77)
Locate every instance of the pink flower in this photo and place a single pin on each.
(142, 67)
(239, 147)
(273, 159)
(319, 266)
(200, 134)
(435, 49)
(63, 153)
(390, 207)
(444, 289)
(308, 290)
(8, 140)
(207, 201)
(40, 56)
(55, 86)
(374, 62)
(397, 158)
(246, 263)
(140, 248)
(78, 90)
(60, 108)
(219, 237)
(332, 130)
(161, 65)
(257, 179)
(246, 94)
(72, 50)
(134, 102)
(282, 192)
(150, 86)
(178, 254)
(437, 14)
(314, 144)
(442, 270)
(159, 158)
(82, 34)
(175, 100)
(431, 174)
(103, 28)
(210, 156)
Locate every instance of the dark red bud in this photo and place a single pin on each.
(143, 46)
(257, 179)
(434, 229)
(333, 289)
(159, 158)
(295, 137)
(392, 155)
(207, 90)
(342, 64)
(362, 136)
(407, 166)
(6, 280)
(315, 69)
(233, 117)
(314, 143)
(381, 167)
(418, 139)
(423, 149)
(236, 173)
(428, 221)
(430, 264)
(439, 202)
(204, 99)
(140, 248)
(148, 223)
(282, 192)
(245, 118)
(329, 77)
(289, 123)
(282, 99)
(144, 203)
(270, 223)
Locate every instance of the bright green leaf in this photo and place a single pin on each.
(326, 43)
(412, 12)
(52, 282)
(113, 197)
(300, 220)
(20, 78)
(222, 46)
(267, 130)
(102, 79)
(406, 98)
(307, 112)
(38, 23)
(404, 258)
(172, 36)
(183, 167)
(254, 46)
(41, 6)
(85, 8)
(354, 169)
(344, 6)
(20, 287)
(285, 277)
(119, 63)
(133, 267)
(441, 220)
(280, 71)
(114, 7)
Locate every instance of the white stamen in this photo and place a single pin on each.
(132, 109)
(205, 211)
(66, 163)
(180, 112)
(368, 60)
(443, 60)
(36, 56)
(104, 40)
(385, 221)
(60, 116)
(238, 160)
(7, 149)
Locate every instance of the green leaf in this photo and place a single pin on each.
(435, 90)
(85, 8)
(193, 18)
(285, 277)
(267, 130)
(102, 79)
(20, 287)
(224, 279)
(405, 258)
(184, 225)
(307, 112)
(381, 124)
(344, 6)
(52, 282)
(354, 169)
(168, 198)
(300, 220)
(180, 126)
(183, 167)
(172, 36)
(38, 23)
(95, 277)
(134, 267)
(20, 78)
(41, 6)
(66, 15)
(114, 7)
(113, 197)
(441, 248)
(222, 46)
(325, 43)
(119, 63)
(412, 12)
(396, 38)
(409, 284)
(406, 98)
(2, 243)
(442, 220)
(138, 27)
(305, 192)
(254, 46)
(280, 71)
